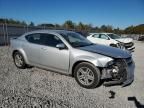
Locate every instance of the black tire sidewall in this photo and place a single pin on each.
(95, 71)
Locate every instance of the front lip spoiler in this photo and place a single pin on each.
(127, 83)
(112, 83)
(123, 84)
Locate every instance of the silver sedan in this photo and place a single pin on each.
(70, 53)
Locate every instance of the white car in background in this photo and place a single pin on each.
(113, 40)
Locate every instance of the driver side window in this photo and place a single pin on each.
(50, 40)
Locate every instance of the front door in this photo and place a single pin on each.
(52, 57)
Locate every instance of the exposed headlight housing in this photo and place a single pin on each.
(110, 63)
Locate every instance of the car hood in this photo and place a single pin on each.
(106, 50)
(125, 40)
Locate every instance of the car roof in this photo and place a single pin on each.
(50, 31)
(100, 33)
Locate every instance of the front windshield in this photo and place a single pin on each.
(114, 36)
(75, 39)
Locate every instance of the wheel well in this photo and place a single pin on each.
(78, 62)
(14, 52)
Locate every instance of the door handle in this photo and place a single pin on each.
(43, 48)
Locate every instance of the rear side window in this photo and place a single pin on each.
(34, 38)
(96, 36)
(44, 39)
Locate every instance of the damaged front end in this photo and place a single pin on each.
(120, 72)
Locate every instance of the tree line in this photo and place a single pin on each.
(70, 25)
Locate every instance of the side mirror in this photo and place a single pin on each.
(60, 46)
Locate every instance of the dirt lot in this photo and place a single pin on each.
(41, 88)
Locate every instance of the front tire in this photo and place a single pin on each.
(87, 75)
(19, 60)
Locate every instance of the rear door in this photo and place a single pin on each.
(100, 39)
(32, 48)
(104, 39)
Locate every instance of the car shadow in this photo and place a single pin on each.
(100, 83)
(137, 103)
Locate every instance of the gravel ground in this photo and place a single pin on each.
(36, 87)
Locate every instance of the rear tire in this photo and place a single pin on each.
(87, 75)
(19, 60)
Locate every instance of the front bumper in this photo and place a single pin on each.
(126, 80)
(130, 74)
